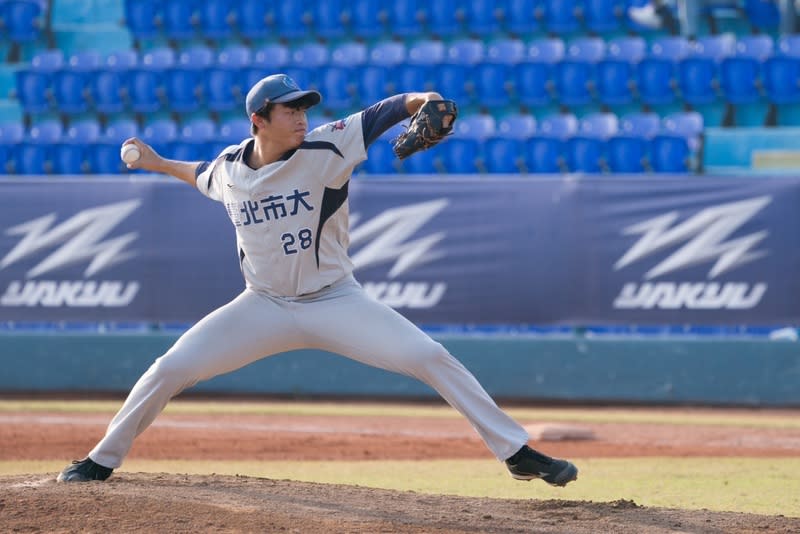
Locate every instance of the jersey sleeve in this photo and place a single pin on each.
(207, 176)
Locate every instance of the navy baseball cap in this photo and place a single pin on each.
(277, 89)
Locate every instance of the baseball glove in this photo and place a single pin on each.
(432, 122)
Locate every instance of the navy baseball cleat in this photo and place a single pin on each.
(84, 471)
(528, 464)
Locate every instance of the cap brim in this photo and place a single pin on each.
(311, 97)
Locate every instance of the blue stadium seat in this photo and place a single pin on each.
(194, 141)
(451, 80)
(34, 154)
(484, 17)
(233, 131)
(584, 154)
(311, 55)
(506, 51)
(789, 45)
(460, 155)
(405, 18)
(504, 155)
(714, 47)
(328, 20)
(349, 54)
(412, 78)
(561, 16)
(560, 125)
(367, 18)
(616, 72)
(11, 134)
(160, 134)
(644, 124)
(380, 158)
(739, 80)
(543, 154)
(108, 85)
(337, 86)
(574, 76)
(441, 18)
(781, 75)
(603, 16)
(601, 125)
(141, 18)
(533, 79)
(71, 84)
(216, 19)
(517, 126)
(669, 154)
(478, 126)
(627, 154)
(23, 20)
(686, 124)
(657, 73)
(427, 52)
(671, 48)
(183, 83)
(270, 58)
(178, 19)
(466, 51)
(521, 17)
(590, 49)
(34, 84)
(252, 19)
(698, 80)
(374, 83)
(387, 53)
(424, 162)
(223, 87)
(292, 19)
(69, 156)
(146, 82)
(763, 15)
(758, 47)
(491, 84)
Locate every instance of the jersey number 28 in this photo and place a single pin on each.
(292, 242)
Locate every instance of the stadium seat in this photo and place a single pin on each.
(34, 154)
(194, 141)
(68, 156)
(103, 158)
(337, 86)
(672, 48)
(71, 84)
(367, 18)
(584, 154)
(34, 84)
(640, 124)
(328, 19)
(310, 55)
(669, 154)
(484, 17)
(698, 80)
(387, 53)
(781, 75)
(178, 19)
(466, 51)
(11, 134)
(425, 162)
(543, 154)
(380, 158)
(574, 76)
(478, 126)
(763, 15)
(427, 52)
(252, 19)
(23, 20)
(451, 80)
(223, 87)
(216, 19)
(491, 84)
(141, 18)
(603, 16)
(714, 47)
(789, 45)
(184, 82)
(561, 16)
(412, 78)
(686, 124)
(146, 82)
(160, 134)
(626, 154)
(616, 72)
(374, 84)
(758, 47)
(600, 124)
(504, 155)
(442, 18)
(533, 79)
(506, 51)
(292, 19)
(517, 126)
(233, 131)
(739, 80)
(406, 17)
(460, 155)
(108, 85)
(655, 81)
(522, 17)
(271, 57)
(349, 54)
(560, 125)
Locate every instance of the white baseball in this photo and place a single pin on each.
(130, 153)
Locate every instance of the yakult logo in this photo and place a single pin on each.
(708, 238)
(79, 239)
(387, 239)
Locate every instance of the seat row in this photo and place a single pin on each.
(480, 144)
(367, 19)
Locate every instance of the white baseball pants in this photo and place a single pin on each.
(342, 319)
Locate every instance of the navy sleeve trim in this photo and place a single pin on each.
(200, 168)
(379, 117)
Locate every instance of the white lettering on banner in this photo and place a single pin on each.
(417, 295)
(706, 239)
(81, 238)
(74, 294)
(689, 295)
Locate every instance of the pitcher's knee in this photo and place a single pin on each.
(173, 371)
(431, 356)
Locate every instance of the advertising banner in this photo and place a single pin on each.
(454, 250)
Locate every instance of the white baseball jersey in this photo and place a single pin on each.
(291, 216)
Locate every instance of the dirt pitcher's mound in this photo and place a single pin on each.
(180, 503)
